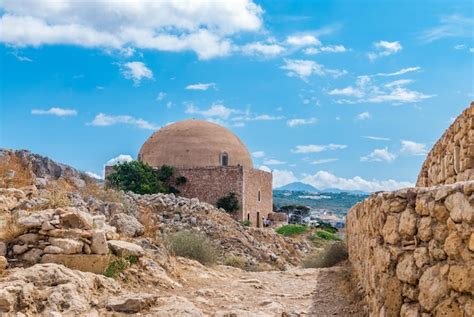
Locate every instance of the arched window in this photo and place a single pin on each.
(224, 159)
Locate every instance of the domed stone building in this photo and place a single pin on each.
(215, 163)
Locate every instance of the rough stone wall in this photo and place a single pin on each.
(452, 158)
(256, 181)
(208, 184)
(412, 250)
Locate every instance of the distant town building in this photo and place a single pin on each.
(215, 163)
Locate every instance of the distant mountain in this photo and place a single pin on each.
(299, 187)
(337, 190)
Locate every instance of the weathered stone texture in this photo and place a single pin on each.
(452, 158)
(429, 252)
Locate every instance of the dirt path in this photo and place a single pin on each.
(225, 291)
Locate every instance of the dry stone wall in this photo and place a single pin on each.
(452, 158)
(412, 250)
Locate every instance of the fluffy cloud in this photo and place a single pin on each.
(201, 86)
(262, 49)
(122, 158)
(313, 148)
(258, 154)
(305, 68)
(200, 26)
(413, 148)
(94, 175)
(384, 48)
(368, 90)
(324, 180)
(103, 120)
(136, 71)
(161, 96)
(282, 177)
(379, 155)
(55, 111)
(297, 122)
(273, 162)
(325, 49)
(302, 40)
(216, 110)
(363, 116)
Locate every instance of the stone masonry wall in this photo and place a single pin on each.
(256, 181)
(412, 250)
(452, 158)
(208, 184)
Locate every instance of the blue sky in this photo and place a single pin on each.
(348, 94)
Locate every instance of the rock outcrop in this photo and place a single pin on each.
(412, 250)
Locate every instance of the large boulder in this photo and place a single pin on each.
(127, 225)
(93, 263)
(123, 248)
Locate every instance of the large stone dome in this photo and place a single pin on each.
(194, 143)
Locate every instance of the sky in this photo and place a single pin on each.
(337, 94)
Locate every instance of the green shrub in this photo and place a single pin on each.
(329, 256)
(246, 223)
(229, 203)
(236, 261)
(327, 227)
(137, 177)
(119, 265)
(192, 245)
(290, 230)
(325, 235)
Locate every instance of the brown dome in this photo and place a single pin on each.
(194, 143)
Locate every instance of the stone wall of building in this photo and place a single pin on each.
(452, 158)
(208, 184)
(258, 195)
(412, 250)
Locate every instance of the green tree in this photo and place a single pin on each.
(296, 213)
(229, 203)
(137, 177)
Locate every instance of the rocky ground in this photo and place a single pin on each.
(60, 231)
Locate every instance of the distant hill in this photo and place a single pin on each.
(303, 187)
(299, 187)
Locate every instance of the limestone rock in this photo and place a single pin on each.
(470, 243)
(131, 303)
(178, 306)
(410, 310)
(3, 264)
(19, 248)
(99, 243)
(127, 225)
(93, 263)
(450, 308)
(390, 230)
(453, 244)
(407, 226)
(421, 256)
(433, 286)
(123, 248)
(69, 246)
(424, 229)
(52, 249)
(77, 219)
(406, 270)
(3, 248)
(459, 208)
(33, 256)
(461, 278)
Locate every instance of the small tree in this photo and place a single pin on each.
(229, 203)
(296, 213)
(137, 177)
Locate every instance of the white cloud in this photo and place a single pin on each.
(324, 180)
(305, 68)
(413, 148)
(201, 86)
(216, 110)
(302, 40)
(103, 120)
(451, 26)
(384, 48)
(459, 47)
(363, 116)
(379, 155)
(20, 57)
(55, 111)
(313, 148)
(282, 178)
(324, 161)
(265, 168)
(200, 26)
(400, 72)
(348, 91)
(325, 49)
(169, 104)
(161, 96)
(273, 162)
(398, 83)
(376, 138)
(258, 154)
(94, 175)
(122, 158)
(263, 49)
(297, 122)
(136, 71)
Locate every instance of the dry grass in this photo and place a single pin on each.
(192, 245)
(236, 261)
(329, 256)
(23, 176)
(8, 228)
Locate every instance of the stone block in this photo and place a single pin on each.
(94, 263)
